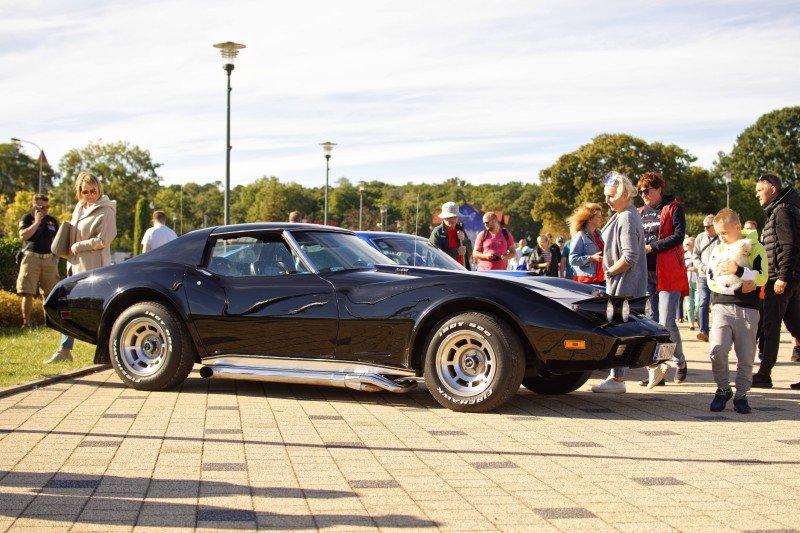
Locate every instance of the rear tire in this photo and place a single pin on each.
(549, 383)
(474, 363)
(151, 348)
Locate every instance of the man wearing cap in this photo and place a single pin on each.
(703, 246)
(781, 239)
(450, 236)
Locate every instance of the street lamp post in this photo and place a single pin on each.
(327, 148)
(361, 187)
(15, 139)
(384, 217)
(229, 50)
(728, 180)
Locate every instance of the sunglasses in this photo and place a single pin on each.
(610, 179)
(42, 207)
(643, 192)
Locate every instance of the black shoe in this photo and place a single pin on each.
(661, 383)
(680, 373)
(761, 382)
(721, 398)
(740, 405)
(795, 386)
(795, 354)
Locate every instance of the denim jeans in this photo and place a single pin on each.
(664, 306)
(67, 342)
(691, 311)
(703, 303)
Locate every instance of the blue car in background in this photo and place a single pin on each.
(413, 250)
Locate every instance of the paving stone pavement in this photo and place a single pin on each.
(90, 454)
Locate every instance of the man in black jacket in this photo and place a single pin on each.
(781, 239)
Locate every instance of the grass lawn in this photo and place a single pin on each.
(23, 352)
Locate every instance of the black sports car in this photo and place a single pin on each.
(302, 303)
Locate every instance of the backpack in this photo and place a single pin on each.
(486, 234)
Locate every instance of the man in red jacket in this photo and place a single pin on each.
(664, 224)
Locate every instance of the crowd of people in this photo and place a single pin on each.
(738, 288)
(752, 283)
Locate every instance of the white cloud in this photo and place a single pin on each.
(485, 91)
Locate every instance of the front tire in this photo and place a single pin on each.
(150, 347)
(474, 363)
(549, 383)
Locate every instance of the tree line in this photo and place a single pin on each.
(131, 176)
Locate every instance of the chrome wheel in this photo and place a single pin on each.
(143, 346)
(465, 363)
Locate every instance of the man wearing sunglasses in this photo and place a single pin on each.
(38, 270)
(664, 222)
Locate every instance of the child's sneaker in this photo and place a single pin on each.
(740, 405)
(721, 398)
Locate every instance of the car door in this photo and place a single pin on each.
(253, 297)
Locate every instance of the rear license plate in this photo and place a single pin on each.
(664, 351)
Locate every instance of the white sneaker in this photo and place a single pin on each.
(655, 374)
(610, 386)
(59, 357)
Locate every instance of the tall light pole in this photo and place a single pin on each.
(327, 148)
(361, 187)
(229, 50)
(728, 180)
(15, 139)
(384, 215)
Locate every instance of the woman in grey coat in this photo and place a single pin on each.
(624, 258)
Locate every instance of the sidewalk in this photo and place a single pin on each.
(91, 454)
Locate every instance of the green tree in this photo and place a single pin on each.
(576, 177)
(22, 204)
(140, 223)
(772, 144)
(20, 172)
(126, 171)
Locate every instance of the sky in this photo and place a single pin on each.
(411, 91)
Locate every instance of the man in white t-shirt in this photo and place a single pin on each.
(159, 234)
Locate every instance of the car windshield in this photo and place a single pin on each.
(408, 250)
(332, 252)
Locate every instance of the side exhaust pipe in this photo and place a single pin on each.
(363, 381)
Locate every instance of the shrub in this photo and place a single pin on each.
(9, 246)
(11, 313)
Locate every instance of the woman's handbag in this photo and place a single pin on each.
(61, 244)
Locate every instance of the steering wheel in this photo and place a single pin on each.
(221, 266)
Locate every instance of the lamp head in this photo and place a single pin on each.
(327, 147)
(229, 50)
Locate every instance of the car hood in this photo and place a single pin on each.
(562, 290)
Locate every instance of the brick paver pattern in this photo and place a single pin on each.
(91, 454)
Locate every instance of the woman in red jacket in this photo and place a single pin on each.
(664, 224)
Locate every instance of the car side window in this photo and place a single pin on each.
(253, 256)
